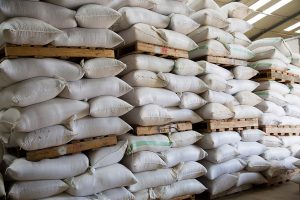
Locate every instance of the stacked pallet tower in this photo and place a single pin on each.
(61, 120)
(231, 120)
(278, 77)
(161, 150)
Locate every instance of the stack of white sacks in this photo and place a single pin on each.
(47, 102)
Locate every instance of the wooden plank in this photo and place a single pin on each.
(169, 128)
(276, 75)
(234, 190)
(156, 50)
(46, 51)
(72, 148)
(281, 130)
(284, 177)
(186, 197)
(226, 62)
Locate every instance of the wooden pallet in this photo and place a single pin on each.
(281, 130)
(223, 61)
(169, 128)
(227, 125)
(208, 196)
(186, 197)
(14, 51)
(151, 49)
(76, 146)
(283, 178)
(277, 75)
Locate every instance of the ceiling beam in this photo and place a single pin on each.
(275, 25)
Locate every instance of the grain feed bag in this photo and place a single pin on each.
(167, 7)
(102, 67)
(135, 15)
(143, 33)
(150, 179)
(83, 37)
(290, 121)
(101, 179)
(186, 67)
(94, 127)
(189, 170)
(69, 166)
(115, 4)
(238, 51)
(269, 64)
(252, 135)
(269, 52)
(290, 140)
(214, 111)
(296, 179)
(31, 91)
(295, 150)
(244, 73)
(50, 136)
(236, 10)
(274, 86)
(210, 68)
(296, 59)
(292, 99)
(178, 83)
(217, 139)
(277, 42)
(270, 107)
(220, 184)
(256, 164)
(180, 188)
(270, 95)
(143, 161)
(221, 154)
(174, 156)
(216, 170)
(177, 40)
(183, 115)
(106, 156)
(141, 96)
(238, 25)
(117, 194)
(215, 82)
(108, 106)
(211, 33)
(219, 97)
(2, 187)
(89, 88)
(15, 70)
(36, 189)
(209, 48)
(149, 115)
(292, 111)
(143, 194)
(248, 98)
(146, 62)
(245, 111)
(295, 89)
(22, 30)
(35, 116)
(241, 38)
(96, 16)
(293, 69)
(154, 143)
(184, 138)
(246, 149)
(210, 17)
(276, 153)
(269, 119)
(246, 178)
(271, 141)
(144, 78)
(199, 5)
(241, 85)
(56, 16)
(279, 167)
(182, 24)
(189, 100)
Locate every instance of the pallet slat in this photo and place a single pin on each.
(208, 196)
(186, 197)
(72, 148)
(281, 130)
(276, 75)
(224, 62)
(151, 49)
(283, 178)
(169, 128)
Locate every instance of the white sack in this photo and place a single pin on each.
(217, 139)
(210, 68)
(90, 88)
(271, 141)
(270, 107)
(250, 178)
(167, 7)
(210, 17)
(296, 178)
(221, 154)
(292, 99)
(241, 38)
(244, 73)
(2, 187)
(290, 121)
(186, 67)
(211, 33)
(274, 86)
(215, 111)
(252, 135)
(245, 111)
(238, 25)
(189, 100)
(256, 164)
(199, 5)
(269, 119)
(183, 115)
(215, 82)
(289, 140)
(269, 52)
(238, 51)
(219, 97)
(269, 64)
(144, 78)
(184, 138)
(89, 127)
(276, 153)
(295, 89)
(292, 111)
(182, 24)
(236, 10)
(247, 98)
(117, 194)
(241, 85)
(295, 150)
(189, 170)
(270, 95)
(209, 48)
(246, 149)
(296, 59)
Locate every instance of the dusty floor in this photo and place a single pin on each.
(288, 191)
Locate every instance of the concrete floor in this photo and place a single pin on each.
(287, 191)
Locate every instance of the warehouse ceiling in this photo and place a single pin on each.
(273, 24)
